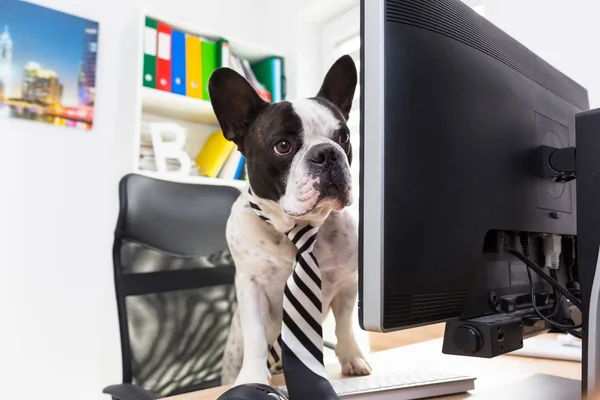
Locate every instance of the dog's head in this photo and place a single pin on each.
(298, 153)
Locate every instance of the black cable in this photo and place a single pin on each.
(557, 295)
(533, 266)
(570, 329)
(524, 239)
(539, 313)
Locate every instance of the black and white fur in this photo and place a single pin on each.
(310, 182)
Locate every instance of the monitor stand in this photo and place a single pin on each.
(588, 243)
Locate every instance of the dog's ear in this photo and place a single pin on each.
(339, 84)
(235, 102)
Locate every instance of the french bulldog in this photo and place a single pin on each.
(298, 157)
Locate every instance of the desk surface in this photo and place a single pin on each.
(489, 372)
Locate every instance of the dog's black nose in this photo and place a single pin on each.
(323, 154)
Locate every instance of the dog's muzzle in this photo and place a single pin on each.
(330, 164)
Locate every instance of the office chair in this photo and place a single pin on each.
(174, 283)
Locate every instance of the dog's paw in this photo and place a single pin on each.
(253, 374)
(355, 366)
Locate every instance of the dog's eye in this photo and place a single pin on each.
(344, 137)
(283, 147)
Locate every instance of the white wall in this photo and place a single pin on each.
(58, 207)
(563, 32)
(304, 19)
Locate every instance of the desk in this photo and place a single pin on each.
(489, 372)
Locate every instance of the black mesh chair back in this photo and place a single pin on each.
(174, 280)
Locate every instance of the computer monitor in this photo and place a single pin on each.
(459, 124)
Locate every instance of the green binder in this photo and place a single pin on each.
(209, 64)
(150, 41)
(270, 72)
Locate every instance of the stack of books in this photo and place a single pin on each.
(182, 63)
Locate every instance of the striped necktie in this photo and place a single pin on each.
(301, 340)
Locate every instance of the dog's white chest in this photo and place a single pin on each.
(267, 256)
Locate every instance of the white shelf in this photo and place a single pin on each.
(175, 106)
(195, 180)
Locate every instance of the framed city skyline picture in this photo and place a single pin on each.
(47, 65)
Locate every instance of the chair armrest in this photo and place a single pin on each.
(127, 391)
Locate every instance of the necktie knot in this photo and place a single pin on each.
(303, 237)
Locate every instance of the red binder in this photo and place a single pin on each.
(163, 58)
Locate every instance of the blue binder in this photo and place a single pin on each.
(240, 169)
(178, 62)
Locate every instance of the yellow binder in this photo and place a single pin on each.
(213, 155)
(193, 66)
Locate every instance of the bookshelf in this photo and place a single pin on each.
(194, 116)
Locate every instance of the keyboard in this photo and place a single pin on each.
(405, 385)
